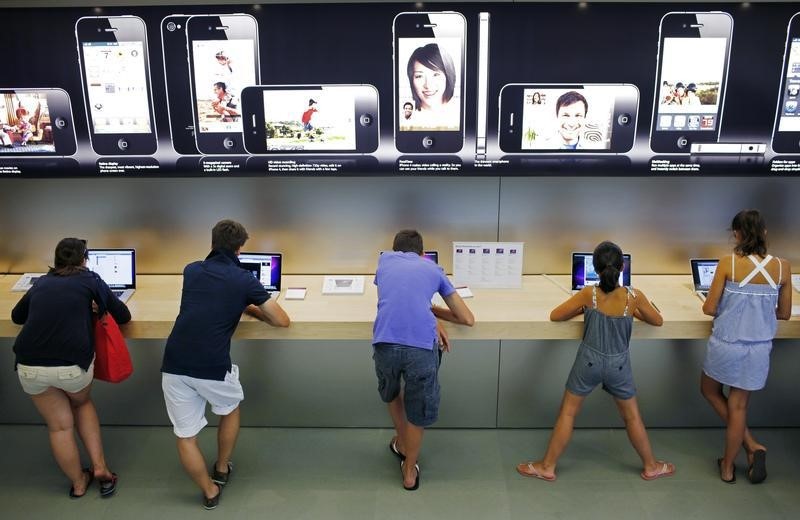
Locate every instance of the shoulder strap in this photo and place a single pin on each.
(629, 293)
(594, 297)
(100, 297)
(759, 268)
(733, 268)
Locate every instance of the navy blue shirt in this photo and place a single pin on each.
(215, 293)
(56, 318)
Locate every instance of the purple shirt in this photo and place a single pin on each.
(406, 283)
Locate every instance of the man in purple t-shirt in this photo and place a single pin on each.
(406, 340)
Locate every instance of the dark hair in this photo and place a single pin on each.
(679, 85)
(434, 58)
(752, 233)
(222, 85)
(691, 87)
(228, 234)
(311, 101)
(607, 260)
(408, 241)
(409, 103)
(69, 256)
(570, 98)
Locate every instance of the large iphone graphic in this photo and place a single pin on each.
(176, 79)
(36, 122)
(429, 56)
(310, 119)
(585, 118)
(116, 84)
(223, 58)
(786, 135)
(692, 71)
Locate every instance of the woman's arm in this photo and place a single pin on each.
(573, 306)
(784, 309)
(717, 286)
(19, 314)
(644, 310)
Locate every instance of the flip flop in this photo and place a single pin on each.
(395, 451)
(666, 469)
(416, 481)
(108, 487)
(732, 479)
(757, 473)
(527, 469)
(89, 472)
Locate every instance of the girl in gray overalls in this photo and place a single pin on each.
(603, 358)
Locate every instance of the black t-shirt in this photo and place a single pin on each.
(56, 319)
(215, 293)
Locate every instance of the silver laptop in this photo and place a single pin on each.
(266, 268)
(583, 272)
(117, 267)
(703, 270)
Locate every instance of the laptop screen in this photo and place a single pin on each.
(703, 270)
(117, 267)
(265, 267)
(433, 256)
(583, 272)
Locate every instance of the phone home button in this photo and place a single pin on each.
(122, 144)
(682, 142)
(228, 143)
(365, 119)
(427, 142)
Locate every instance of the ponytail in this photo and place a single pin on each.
(607, 260)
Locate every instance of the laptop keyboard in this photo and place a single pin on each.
(117, 293)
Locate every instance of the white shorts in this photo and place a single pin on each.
(72, 378)
(186, 399)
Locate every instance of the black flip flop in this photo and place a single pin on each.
(416, 480)
(395, 451)
(89, 472)
(757, 473)
(108, 487)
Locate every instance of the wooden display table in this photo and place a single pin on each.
(500, 314)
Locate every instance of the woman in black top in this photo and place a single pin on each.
(55, 359)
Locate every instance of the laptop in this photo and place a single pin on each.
(117, 267)
(583, 272)
(266, 268)
(433, 256)
(703, 270)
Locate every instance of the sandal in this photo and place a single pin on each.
(665, 469)
(395, 451)
(416, 480)
(108, 487)
(757, 472)
(89, 480)
(527, 469)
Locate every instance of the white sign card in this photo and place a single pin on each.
(496, 265)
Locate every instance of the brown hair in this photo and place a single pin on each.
(228, 234)
(69, 257)
(752, 233)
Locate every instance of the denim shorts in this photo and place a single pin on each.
(418, 368)
(592, 368)
(72, 378)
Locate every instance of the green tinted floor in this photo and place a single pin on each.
(283, 473)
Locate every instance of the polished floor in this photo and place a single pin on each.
(350, 474)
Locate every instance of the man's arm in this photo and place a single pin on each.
(269, 312)
(456, 312)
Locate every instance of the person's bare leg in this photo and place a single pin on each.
(88, 426)
(712, 391)
(637, 434)
(559, 439)
(734, 434)
(195, 465)
(227, 433)
(54, 406)
(412, 444)
(397, 411)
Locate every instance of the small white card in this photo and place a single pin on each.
(464, 292)
(25, 282)
(795, 310)
(796, 282)
(343, 284)
(295, 293)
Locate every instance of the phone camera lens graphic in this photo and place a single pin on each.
(99, 29)
(417, 26)
(60, 122)
(171, 26)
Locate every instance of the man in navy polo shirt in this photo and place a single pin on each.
(406, 337)
(197, 366)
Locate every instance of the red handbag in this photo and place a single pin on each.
(112, 361)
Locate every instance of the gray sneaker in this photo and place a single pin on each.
(222, 478)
